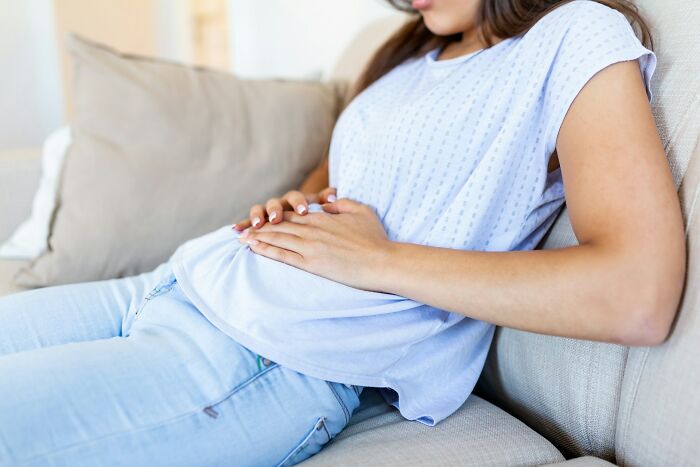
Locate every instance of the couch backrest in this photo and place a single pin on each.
(659, 414)
(603, 399)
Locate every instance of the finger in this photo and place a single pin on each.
(342, 205)
(279, 239)
(328, 195)
(274, 210)
(296, 218)
(257, 216)
(297, 201)
(278, 254)
(242, 225)
(293, 228)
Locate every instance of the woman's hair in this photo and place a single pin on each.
(499, 18)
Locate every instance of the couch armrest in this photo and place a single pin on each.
(20, 171)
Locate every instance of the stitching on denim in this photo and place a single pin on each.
(161, 288)
(245, 383)
(166, 422)
(346, 412)
(152, 426)
(304, 443)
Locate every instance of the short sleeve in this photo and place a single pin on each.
(594, 37)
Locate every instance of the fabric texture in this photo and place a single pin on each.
(478, 434)
(569, 390)
(163, 152)
(31, 237)
(391, 150)
(659, 409)
(127, 372)
(586, 461)
(658, 420)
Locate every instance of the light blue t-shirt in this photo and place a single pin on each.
(450, 153)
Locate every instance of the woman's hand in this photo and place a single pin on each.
(292, 201)
(348, 245)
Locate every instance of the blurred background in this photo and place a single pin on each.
(296, 39)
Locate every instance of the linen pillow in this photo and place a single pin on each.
(163, 152)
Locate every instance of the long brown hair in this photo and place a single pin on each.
(499, 18)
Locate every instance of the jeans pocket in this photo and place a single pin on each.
(310, 444)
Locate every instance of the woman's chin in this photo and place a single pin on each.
(441, 25)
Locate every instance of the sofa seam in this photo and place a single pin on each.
(628, 415)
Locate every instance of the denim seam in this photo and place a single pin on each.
(346, 411)
(160, 424)
(304, 443)
(159, 290)
(245, 383)
(152, 426)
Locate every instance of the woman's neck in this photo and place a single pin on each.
(470, 42)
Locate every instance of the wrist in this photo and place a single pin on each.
(384, 261)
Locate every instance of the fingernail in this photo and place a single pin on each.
(332, 198)
(256, 221)
(273, 216)
(252, 241)
(301, 209)
(245, 233)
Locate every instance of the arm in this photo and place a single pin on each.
(317, 179)
(623, 282)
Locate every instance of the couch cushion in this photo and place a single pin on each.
(478, 434)
(164, 152)
(569, 390)
(8, 269)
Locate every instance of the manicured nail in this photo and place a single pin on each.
(331, 198)
(301, 209)
(273, 216)
(256, 221)
(252, 241)
(245, 233)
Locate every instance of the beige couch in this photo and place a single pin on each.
(541, 399)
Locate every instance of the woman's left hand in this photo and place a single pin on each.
(349, 245)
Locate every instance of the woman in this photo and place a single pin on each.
(251, 346)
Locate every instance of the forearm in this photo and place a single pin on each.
(584, 291)
(317, 180)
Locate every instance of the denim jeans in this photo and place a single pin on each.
(128, 372)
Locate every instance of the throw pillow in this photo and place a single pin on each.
(163, 152)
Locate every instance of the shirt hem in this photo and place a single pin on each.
(292, 363)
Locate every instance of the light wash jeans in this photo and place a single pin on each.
(128, 372)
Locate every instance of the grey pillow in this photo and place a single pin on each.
(164, 152)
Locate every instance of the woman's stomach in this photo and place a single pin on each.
(292, 308)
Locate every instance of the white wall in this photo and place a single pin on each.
(295, 39)
(268, 39)
(31, 102)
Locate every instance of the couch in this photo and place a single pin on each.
(541, 400)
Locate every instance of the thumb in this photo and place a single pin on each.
(341, 206)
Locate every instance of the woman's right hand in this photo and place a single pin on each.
(291, 201)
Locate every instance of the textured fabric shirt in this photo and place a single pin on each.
(450, 153)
